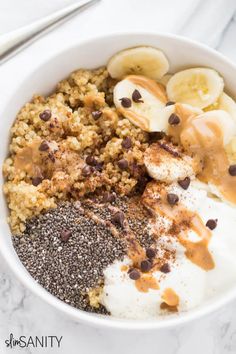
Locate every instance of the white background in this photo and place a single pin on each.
(20, 311)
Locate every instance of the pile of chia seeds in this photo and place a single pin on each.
(66, 249)
(68, 269)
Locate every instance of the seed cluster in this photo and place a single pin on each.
(66, 249)
(66, 252)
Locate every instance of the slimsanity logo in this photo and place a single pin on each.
(33, 341)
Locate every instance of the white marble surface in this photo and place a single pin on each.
(21, 312)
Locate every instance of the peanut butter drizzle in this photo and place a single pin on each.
(28, 159)
(155, 89)
(204, 137)
(150, 85)
(135, 118)
(145, 283)
(124, 268)
(182, 220)
(185, 114)
(170, 297)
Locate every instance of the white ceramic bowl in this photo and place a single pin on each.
(182, 53)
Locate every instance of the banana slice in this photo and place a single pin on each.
(145, 111)
(149, 112)
(208, 128)
(209, 136)
(147, 61)
(199, 87)
(166, 163)
(225, 103)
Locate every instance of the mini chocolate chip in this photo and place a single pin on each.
(109, 197)
(165, 268)
(232, 170)
(43, 146)
(65, 235)
(118, 218)
(87, 171)
(155, 136)
(99, 166)
(174, 119)
(184, 183)
(172, 198)
(36, 181)
(134, 274)
(45, 115)
(123, 164)
(126, 143)
(96, 114)
(145, 265)
(126, 102)
(52, 157)
(90, 160)
(136, 96)
(150, 253)
(211, 224)
(170, 103)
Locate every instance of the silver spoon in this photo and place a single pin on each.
(13, 42)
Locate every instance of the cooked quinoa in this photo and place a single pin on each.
(49, 152)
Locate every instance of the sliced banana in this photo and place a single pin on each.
(167, 163)
(145, 113)
(199, 87)
(225, 103)
(150, 113)
(147, 61)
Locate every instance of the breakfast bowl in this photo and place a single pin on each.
(93, 53)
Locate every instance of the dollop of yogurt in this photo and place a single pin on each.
(192, 284)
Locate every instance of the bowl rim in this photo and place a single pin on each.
(112, 322)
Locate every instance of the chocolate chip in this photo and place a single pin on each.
(184, 183)
(36, 181)
(150, 253)
(134, 274)
(90, 160)
(109, 197)
(211, 224)
(65, 235)
(145, 265)
(126, 102)
(118, 218)
(172, 198)
(155, 136)
(45, 115)
(165, 268)
(232, 170)
(87, 171)
(170, 103)
(99, 166)
(136, 96)
(123, 164)
(174, 119)
(96, 114)
(126, 143)
(52, 157)
(43, 146)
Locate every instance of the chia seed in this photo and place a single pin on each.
(67, 248)
(69, 269)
